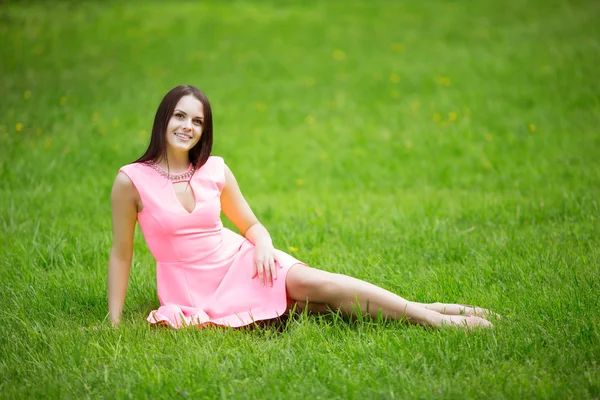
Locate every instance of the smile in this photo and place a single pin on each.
(183, 136)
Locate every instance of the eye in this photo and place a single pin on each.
(198, 122)
(178, 115)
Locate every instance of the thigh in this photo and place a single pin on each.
(305, 283)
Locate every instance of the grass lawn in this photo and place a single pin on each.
(445, 150)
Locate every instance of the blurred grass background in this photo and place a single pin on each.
(445, 150)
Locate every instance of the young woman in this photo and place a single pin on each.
(207, 274)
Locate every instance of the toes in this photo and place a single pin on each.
(478, 321)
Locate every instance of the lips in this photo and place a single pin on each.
(183, 136)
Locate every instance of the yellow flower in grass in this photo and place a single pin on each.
(437, 117)
(62, 101)
(48, 143)
(19, 127)
(293, 249)
(532, 128)
(443, 80)
(394, 77)
(338, 55)
(488, 137)
(27, 94)
(299, 182)
(452, 116)
(415, 106)
(398, 48)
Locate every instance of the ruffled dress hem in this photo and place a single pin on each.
(200, 319)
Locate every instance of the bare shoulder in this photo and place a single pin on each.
(229, 177)
(123, 182)
(126, 205)
(124, 189)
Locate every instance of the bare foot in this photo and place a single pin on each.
(475, 321)
(460, 321)
(471, 311)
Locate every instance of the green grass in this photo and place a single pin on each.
(448, 151)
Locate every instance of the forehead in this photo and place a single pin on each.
(191, 106)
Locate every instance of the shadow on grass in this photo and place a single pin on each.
(294, 319)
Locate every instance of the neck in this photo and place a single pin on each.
(175, 161)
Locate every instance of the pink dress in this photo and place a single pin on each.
(203, 270)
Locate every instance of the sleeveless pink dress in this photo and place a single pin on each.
(203, 270)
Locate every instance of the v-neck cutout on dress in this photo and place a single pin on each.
(184, 194)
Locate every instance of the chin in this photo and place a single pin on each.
(185, 148)
(183, 145)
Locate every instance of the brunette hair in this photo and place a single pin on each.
(157, 148)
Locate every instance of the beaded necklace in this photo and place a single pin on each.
(168, 175)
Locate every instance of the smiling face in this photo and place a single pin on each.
(185, 125)
(182, 126)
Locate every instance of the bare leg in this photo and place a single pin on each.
(305, 284)
(442, 308)
(457, 309)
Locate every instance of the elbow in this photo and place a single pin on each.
(120, 255)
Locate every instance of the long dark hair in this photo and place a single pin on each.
(157, 148)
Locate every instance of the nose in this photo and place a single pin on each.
(187, 124)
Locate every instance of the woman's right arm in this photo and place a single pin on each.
(124, 198)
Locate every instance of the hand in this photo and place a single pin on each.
(264, 263)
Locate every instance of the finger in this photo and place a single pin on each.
(278, 261)
(272, 266)
(260, 271)
(267, 269)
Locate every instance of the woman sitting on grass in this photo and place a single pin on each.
(207, 274)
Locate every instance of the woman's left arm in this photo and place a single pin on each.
(236, 209)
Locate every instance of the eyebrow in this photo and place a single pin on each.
(183, 112)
